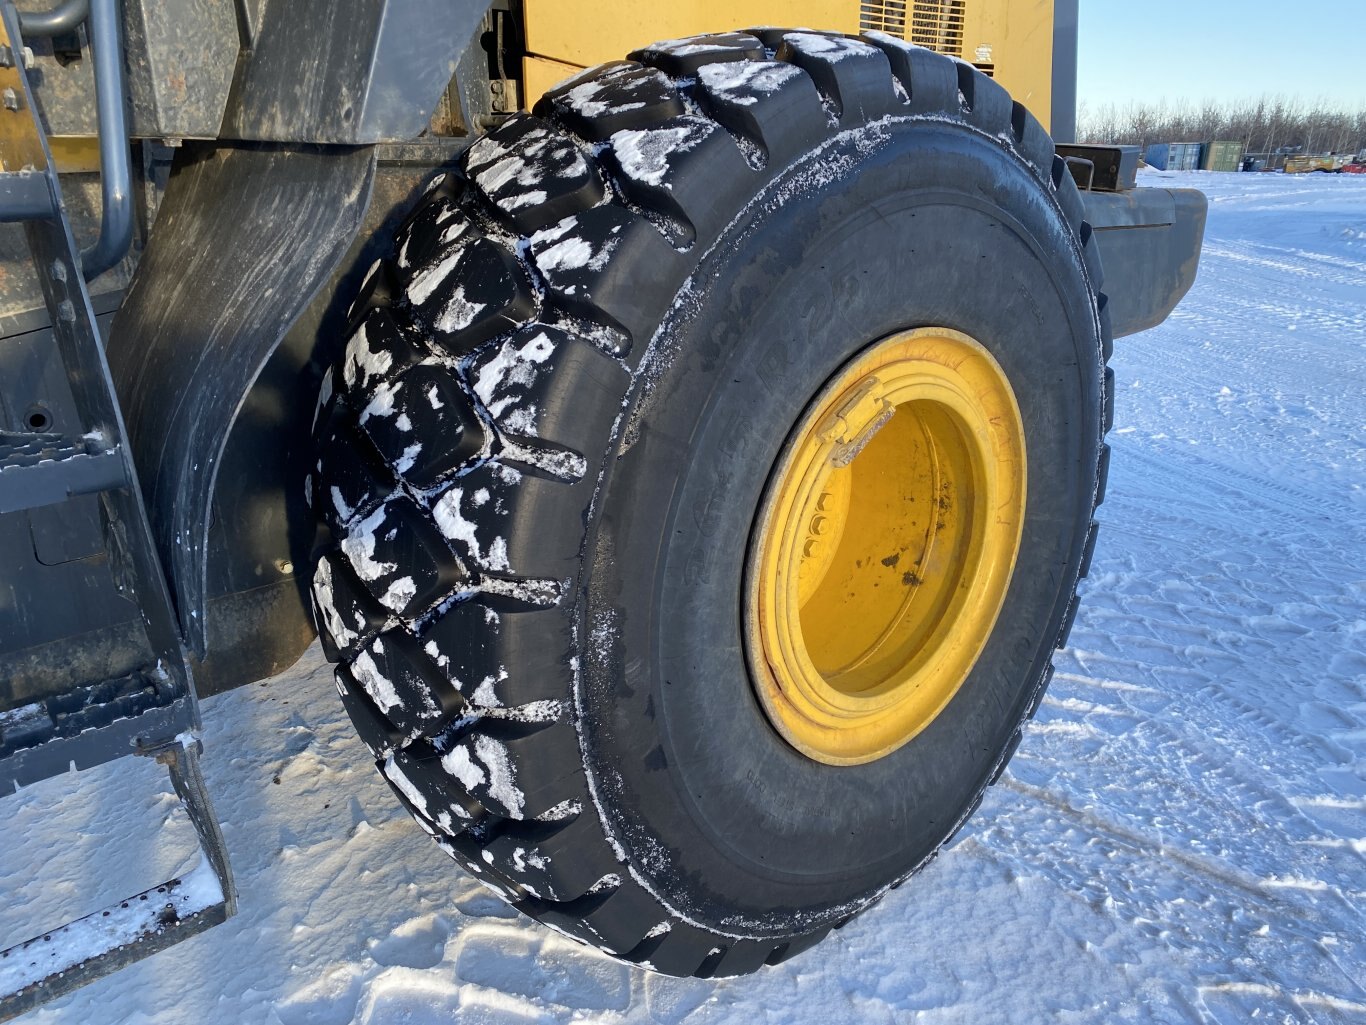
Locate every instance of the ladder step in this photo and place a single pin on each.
(38, 470)
(25, 196)
(60, 960)
(88, 725)
(64, 959)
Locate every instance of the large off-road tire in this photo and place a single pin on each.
(545, 456)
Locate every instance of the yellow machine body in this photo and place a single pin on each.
(1011, 40)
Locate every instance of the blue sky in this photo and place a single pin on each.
(1150, 50)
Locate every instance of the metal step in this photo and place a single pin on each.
(45, 469)
(89, 726)
(63, 959)
(24, 196)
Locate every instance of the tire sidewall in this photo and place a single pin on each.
(908, 223)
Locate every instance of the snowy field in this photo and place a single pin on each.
(1181, 837)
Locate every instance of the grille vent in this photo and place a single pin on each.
(938, 25)
(934, 24)
(883, 16)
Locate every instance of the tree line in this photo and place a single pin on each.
(1265, 125)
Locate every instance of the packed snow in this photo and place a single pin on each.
(1180, 838)
(742, 82)
(645, 154)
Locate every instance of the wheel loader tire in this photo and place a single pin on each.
(552, 464)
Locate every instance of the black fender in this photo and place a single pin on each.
(246, 237)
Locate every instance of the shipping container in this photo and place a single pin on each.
(1175, 156)
(1222, 156)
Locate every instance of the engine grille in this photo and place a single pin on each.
(934, 24)
(883, 16)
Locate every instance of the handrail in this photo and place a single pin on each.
(61, 19)
(116, 165)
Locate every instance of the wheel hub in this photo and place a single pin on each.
(884, 546)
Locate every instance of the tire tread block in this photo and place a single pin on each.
(623, 97)
(417, 774)
(546, 384)
(476, 511)
(687, 168)
(401, 558)
(1088, 553)
(742, 957)
(930, 79)
(987, 105)
(617, 919)
(774, 106)
(350, 478)
(377, 350)
(1102, 474)
(619, 294)
(429, 430)
(348, 614)
(473, 292)
(852, 74)
(380, 289)
(681, 57)
(1090, 251)
(1031, 140)
(498, 659)
(432, 228)
(554, 861)
(406, 686)
(376, 732)
(516, 770)
(532, 173)
(684, 949)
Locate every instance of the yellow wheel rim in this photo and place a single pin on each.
(884, 546)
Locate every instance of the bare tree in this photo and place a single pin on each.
(1267, 124)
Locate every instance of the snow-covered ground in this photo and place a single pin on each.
(1181, 837)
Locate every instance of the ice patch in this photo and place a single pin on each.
(450, 519)
(832, 48)
(459, 313)
(583, 100)
(344, 511)
(393, 772)
(333, 622)
(381, 403)
(502, 785)
(399, 594)
(427, 281)
(362, 363)
(376, 684)
(359, 547)
(458, 763)
(743, 82)
(484, 695)
(571, 254)
(644, 153)
(324, 396)
(405, 462)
